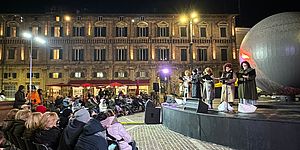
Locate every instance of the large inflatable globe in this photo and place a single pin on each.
(272, 47)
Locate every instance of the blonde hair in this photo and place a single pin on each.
(48, 120)
(12, 114)
(23, 115)
(34, 121)
(208, 71)
(25, 107)
(187, 73)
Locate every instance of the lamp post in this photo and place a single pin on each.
(190, 19)
(39, 40)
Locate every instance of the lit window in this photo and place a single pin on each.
(142, 74)
(14, 32)
(121, 74)
(57, 18)
(77, 74)
(55, 75)
(35, 30)
(100, 75)
(56, 31)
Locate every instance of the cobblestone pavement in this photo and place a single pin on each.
(158, 137)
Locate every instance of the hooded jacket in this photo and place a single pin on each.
(48, 137)
(92, 137)
(70, 135)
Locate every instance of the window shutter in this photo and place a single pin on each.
(125, 57)
(125, 32)
(116, 55)
(82, 31)
(158, 54)
(168, 54)
(72, 75)
(73, 54)
(52, 31)
(147, 31)
(8, 31)
(60, 53)
(125, 74)
(59, 75)
(138, 31)
(28, 75)
(94, 74)
(137, 74)
(116, 74)
(103, 32)
(61, 31)
(81, 55)
(51, 53)
(95, 31)
(137, 54)
(39, 30)
(167, 32)
(157, 31)
(95, 54)
(103, 54)
(50, 75)
(82, 75)
(17, 31)
(74, 31)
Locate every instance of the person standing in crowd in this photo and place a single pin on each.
(247, 91)
(208, 87)
(20, 97)
(2, 95)
(34, 96)
(186, 81)
(40, 92)
(195, 84)
(228, 79)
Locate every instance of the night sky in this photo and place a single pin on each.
(250, 11)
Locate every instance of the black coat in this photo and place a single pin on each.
(70, 135)
(48, 137)
(92, 137)
(19, 99)
(17, 132)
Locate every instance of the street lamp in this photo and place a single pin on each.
(39, 40)
(192, 18)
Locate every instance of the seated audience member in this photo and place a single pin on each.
(32, 124)
(18, 127)
(8, 122)
(41, 108)
(117, 132)
(64, 118)
(73, 130)
(4, 144)
(48, 133)
(25, 107)
(93, 135)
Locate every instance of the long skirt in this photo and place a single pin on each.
(227, 93)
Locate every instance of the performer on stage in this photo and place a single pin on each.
(195, 85)
(228, 79)
(186, 81)
(208, 87)
(247, 92)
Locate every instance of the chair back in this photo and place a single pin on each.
(40, 146)
(28, 143)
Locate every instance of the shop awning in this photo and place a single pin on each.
(107, 82)
(59, 84)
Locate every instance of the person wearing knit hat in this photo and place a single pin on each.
(41, 108)
(73, 130)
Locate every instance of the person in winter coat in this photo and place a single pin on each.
(64, 118)
(93, 136)
(73, 130)
(20, 97)
(48, 134)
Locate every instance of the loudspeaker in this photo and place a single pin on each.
(156, 87)
(194, 104)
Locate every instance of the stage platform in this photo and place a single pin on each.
(266, 129)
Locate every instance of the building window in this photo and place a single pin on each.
(202, 54)
(202, 31)
(56, 31)
(142, 54)
(142, 18)
(57, 18)
(142, 31)
(34, 53)
(121, 54)
(224, 54)
(79, 18)
(162, 31)
(183, 32)
(100, 18)
(10, 90)
(142, 74)
(55, 75)
(78, 31)
(183, 54)
(10, 75)
(56, 54)
(12, 31)
(11, 53)
(77, 55)
(100, 75)
(121, 74)
(77, 75)
(100, 31)
(223, 32)
(121, 18)
(36, 30)
(99, 54)
(121, 31)
(163, 54)
(33, 75)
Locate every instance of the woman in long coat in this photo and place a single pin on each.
(208, 87)
(246, 84)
